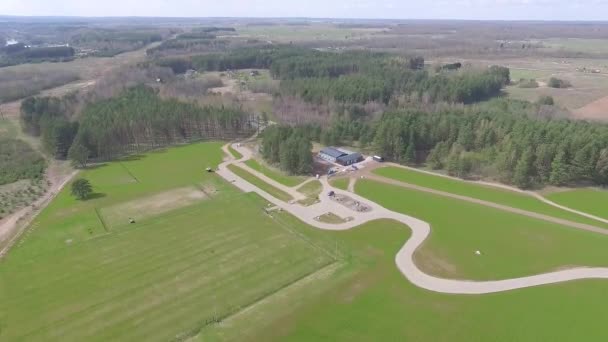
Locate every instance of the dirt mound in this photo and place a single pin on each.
(596, 110)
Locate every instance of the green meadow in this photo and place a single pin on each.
(512, 245)
(75, 277)
(275, 174)
(340, 183)
(249, 177)
(592, 201)
(205, 262)
(365, 298)
(482, 192)
(236, 154)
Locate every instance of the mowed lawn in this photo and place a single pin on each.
(165, 277)
(249, 177)
(512, 245)
(236, 154)
(276, 175)
(368, 299)
(340, 183)
(486, 193)
(592, 201)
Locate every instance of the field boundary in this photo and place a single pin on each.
(129, 172)
(256, 301)
(103, 223)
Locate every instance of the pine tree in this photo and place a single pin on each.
(601, 168)
(560, 172)
(522, 176)
(79, 155)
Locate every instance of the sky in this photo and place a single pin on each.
(378, 9)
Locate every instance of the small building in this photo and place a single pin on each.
(342, 157)
(350, 159)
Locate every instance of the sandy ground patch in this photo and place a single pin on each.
(596, 110)
(120, 214)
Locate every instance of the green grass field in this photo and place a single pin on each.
(512, 245)
(367, 299)
(171, 276)
(278, 193)
(340, 183)
(486, 193)
(312, 190)
(592, 201)
(275, 174)
(72, 279)
(236, 154)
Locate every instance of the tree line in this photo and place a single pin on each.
(502, 139)
(354, 76)
(289, 148)
(45, 117)
(137, 120)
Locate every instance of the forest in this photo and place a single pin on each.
(358, 77)
(139, 120)
(289, 148)
(135, 121)
(19, 54)
(502, 139)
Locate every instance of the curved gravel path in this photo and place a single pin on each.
(404, 258)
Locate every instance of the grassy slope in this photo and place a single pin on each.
(505, 197)
(277, 175)
(592, 201)
(175, 272)
(340, 183)
(512, 245)
(278, 193)
(367, 299)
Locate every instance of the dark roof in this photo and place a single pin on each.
(352, 156)
(332, 152)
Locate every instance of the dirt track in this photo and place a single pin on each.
(404, 258)
(596, 110)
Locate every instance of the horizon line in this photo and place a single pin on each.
(298, 18)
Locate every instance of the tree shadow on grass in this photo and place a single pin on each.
(95, 195)
(95, 166)
(132, 157)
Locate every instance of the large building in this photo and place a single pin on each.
(342, 157)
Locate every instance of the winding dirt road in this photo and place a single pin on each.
(404, 258)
